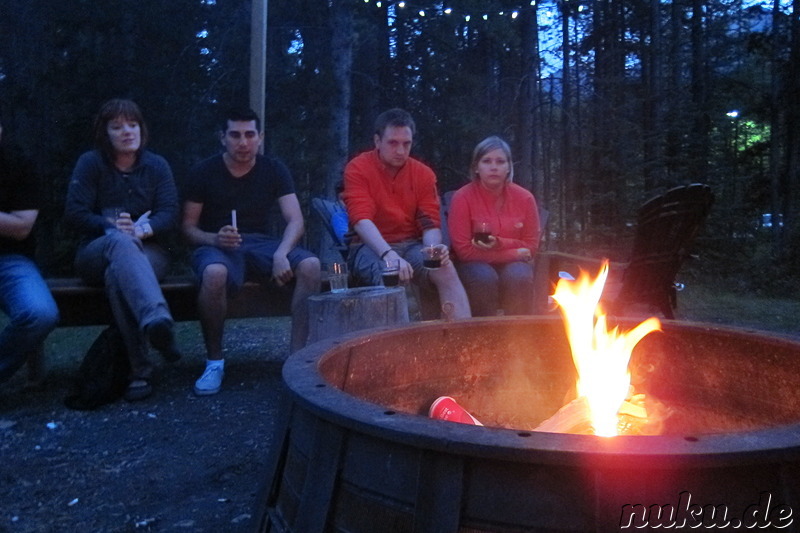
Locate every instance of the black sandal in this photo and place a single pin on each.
(138, 389)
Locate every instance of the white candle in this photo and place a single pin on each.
(233, 218)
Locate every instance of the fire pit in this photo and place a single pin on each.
(359, 453)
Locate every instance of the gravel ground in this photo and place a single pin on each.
(173, 462)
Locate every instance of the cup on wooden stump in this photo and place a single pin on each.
(390, 272)
(337, 276)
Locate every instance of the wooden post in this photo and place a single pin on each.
(258, 58)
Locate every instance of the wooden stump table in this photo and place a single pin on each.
(331, 314)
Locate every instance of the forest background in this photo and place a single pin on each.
(605, 103)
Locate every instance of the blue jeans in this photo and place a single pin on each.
(251, 261)
(366, 268)
(493, 287)
(366, 265)
(31, 310)
(130, 271)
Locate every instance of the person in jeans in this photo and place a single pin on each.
(497, 273)
(226, 216)
(122, 199)
(24, 296)
(393, 206)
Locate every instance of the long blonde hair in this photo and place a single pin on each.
(484, 147)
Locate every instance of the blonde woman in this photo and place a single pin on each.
(494, 228)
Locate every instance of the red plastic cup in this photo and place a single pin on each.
(446, 408)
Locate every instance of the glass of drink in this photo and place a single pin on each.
(113, 213)
(431, 256)
(481, 231)
(390, 271)
(337, 276)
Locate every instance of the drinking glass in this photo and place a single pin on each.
(390, 271)
(481, 231)
(337, 276)
(431, 257)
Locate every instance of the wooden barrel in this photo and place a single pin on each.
(332, 314)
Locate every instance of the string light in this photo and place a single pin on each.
(425, 11)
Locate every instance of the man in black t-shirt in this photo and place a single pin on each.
(228, 202)
(24, 295)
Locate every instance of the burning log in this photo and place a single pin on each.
(571, 418)
(634, 418)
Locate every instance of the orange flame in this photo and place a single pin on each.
(601, 356)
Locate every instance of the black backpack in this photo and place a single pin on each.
(103, 375)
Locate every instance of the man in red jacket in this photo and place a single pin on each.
(393, 205)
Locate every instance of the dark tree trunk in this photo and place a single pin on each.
(529, 124)
(791, 187)
(653, 100)
(342, 61)
(698, 159)
(566, 188)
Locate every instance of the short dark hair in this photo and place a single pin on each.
(111, 110)
(394, 118)
(240, 114)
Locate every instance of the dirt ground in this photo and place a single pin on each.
(173, 462)
(179, 463)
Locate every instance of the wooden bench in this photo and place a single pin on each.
(80, 304)
(84, 305)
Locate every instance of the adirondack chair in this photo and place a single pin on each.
(665, 230)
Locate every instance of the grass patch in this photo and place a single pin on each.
(719, 305)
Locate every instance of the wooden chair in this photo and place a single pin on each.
(665, 230)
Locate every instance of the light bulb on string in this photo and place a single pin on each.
(422, 12)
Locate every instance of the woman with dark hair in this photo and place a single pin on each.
(494, 228)
(122, 198)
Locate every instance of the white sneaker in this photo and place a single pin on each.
(210, 382)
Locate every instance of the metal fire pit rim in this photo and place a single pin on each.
(311, 391)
